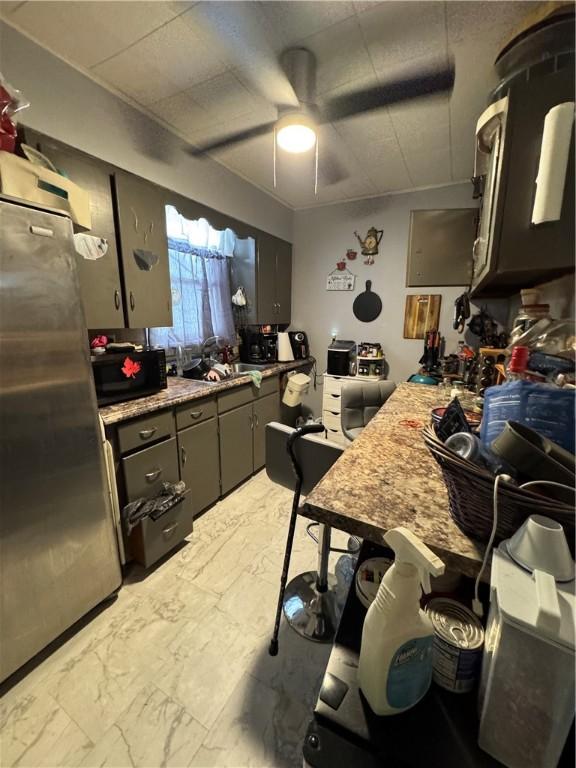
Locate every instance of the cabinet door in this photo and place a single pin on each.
(440, 250)
(144, 252)
(283, 282)
(100, 276)
(265, 411)
(266, 279)
(236, 461)
(200, 463)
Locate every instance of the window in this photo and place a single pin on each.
(200, 281)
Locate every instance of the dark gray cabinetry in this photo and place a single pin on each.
(440, 249)
(200, 463)
(265, 410)
(144, 251)
(522, 254)
(274, 280)
(99, 277)
(236, 456)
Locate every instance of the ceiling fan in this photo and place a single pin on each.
(289, 83)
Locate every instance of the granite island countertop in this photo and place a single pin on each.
(387, 477)
(182, 390)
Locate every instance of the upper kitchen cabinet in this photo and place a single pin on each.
(440, 250)
(141, 222)
(511, 251)
(96, 252)
(274, 280)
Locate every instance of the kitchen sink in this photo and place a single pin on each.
(244, 367)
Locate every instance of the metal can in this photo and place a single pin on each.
(458, 643)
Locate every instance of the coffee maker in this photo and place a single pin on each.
(257, 348)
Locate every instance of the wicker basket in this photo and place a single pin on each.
(470, 492)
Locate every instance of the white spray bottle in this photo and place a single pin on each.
(395, 669)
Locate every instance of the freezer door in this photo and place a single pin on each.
(58, 554)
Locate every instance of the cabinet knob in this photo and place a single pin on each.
(183, 456)
(132, 301)
(251, 420)
(145, 434)
(117, 298)
(196, 414)
(256, 420)
(154, 475)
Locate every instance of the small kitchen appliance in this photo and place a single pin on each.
(526, 694)
(269, 346)
(120, 376)
(341, 356)
(300, 346)
(257, 347)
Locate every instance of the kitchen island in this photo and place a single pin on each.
(387, 477)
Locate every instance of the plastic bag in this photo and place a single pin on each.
(11, 102)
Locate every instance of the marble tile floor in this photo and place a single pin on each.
(175, 671)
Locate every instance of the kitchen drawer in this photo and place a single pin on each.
(145, 471)
(267, 387)
(333, 384)
(336, 435)
(195, 412)
(332, 402)
(331, 420)
(142, 432)
(235, 398)
(152, 539)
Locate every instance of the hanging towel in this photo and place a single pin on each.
(256, 377)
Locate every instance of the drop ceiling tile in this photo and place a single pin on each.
(224, 97)
(399, 31)
(367, 5)
(390, 174)
(475, 78)
(463, 160)
(422, 123)
(341, 55)
(429, 167)
(182, 112)
(7, 7)
(171, 59)
(295, 21)
(494, 22)
(89, 32)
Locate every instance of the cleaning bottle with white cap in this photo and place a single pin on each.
(395, 668)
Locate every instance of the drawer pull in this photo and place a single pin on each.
(132, 301)
(146, 434)
(154, 475)
(334, 413)
(169, 530)
(256, 420)
(117, 299)
(183, 456)
(196, 414)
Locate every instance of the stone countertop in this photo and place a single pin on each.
(387, 477)
(182, 390)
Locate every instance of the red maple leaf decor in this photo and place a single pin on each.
(131, 368)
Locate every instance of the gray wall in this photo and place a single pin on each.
(321, 237)
(74, 109)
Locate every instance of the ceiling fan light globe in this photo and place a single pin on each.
(295, 133)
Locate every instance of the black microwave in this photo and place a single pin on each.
(122, 376)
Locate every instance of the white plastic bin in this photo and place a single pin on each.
(296, 387)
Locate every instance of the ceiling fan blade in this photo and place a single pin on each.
(425, 83)
(237, 30)
(232, 138)
(330, 168)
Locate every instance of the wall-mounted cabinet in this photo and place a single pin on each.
(98, 270)
(141, 223)
(440, 248)
(273, 280)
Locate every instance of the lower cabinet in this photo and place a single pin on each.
(265, 411)
(236, 452)
(242, 439)
(199, 457)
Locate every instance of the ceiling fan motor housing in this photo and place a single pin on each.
(299, 64)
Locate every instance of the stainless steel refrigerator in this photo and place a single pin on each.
(58, 550)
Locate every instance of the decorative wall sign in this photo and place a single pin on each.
(370, 243)
(339, 280)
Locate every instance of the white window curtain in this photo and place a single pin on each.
(200, 281)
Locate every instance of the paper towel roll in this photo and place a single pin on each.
(285, 353)
(551, 177)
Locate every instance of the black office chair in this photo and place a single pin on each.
(298, 459)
